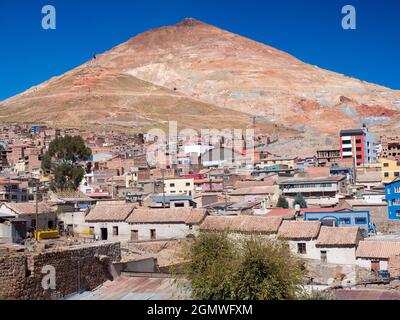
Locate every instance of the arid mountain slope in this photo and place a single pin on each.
(193, 72)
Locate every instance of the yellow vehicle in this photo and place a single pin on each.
(46, 234)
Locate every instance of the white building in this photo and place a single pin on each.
(301, 237)
(181, 186)
(338, 245)
(124, 222)
(375, 254)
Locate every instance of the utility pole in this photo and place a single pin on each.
(36, 212)
(163, 186)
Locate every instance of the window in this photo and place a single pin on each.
(115, 231)
(187, 184)
(301, 248)
(398, 213)
(397, 174)
(179, 205)
(172, 185)
(91, 230)
(386, 174)
(397, 189)
(153, 235)
(361, 220)
(344, 221)
(134, 235)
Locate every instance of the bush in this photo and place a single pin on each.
(300, 201)
(255, 268)
(282, 203)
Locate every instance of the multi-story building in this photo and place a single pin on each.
(392, 195)
(390, 170)
(179, 186)
(328, 157)
(390, 148)
(358, 144)
(314, 187)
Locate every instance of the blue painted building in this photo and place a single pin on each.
(341, 218)
(37, 129)
(392, 195)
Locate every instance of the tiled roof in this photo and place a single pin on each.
(108, 211)
(255, 190)
(257, 224)
(299, 230)
(172, 215)
(29, 207)
(378, 249)
(280, 212)
(333, 236)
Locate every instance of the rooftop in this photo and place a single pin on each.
(258, 224)
(299, 230)
(332, 236)
(378, 249)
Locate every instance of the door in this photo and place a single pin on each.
(153, 235)
(375, 266)
(134, 235)
(104, 233)
(324, 257)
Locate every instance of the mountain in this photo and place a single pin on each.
(205, 77)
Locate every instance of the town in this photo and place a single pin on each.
(111, 220)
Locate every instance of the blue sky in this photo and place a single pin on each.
(308, 29)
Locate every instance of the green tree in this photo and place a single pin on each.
(300, 201)
(222, 268)
(212, 258)
(61, 160)
(282, 202)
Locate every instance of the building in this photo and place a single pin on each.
(289, 163)
(314, 187)
(392, 195)
(375, 255)
(106, 220)
(338, 245)
(390, 148)
(208, 185)
(340, 218)
(328, 157)
(179, 186)
(390, 170)
(46, 216)
(164, 224)
(255, 225)
(170, 201)
(270, 194)
(301, 237)
(358, 144)
(11, 191)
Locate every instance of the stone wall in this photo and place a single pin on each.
(77, 268)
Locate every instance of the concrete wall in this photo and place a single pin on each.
(165, 231)
(311, 251)
(21, 274)
(339, 255)
(5, 231)
(366, 263)
(77, 219)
